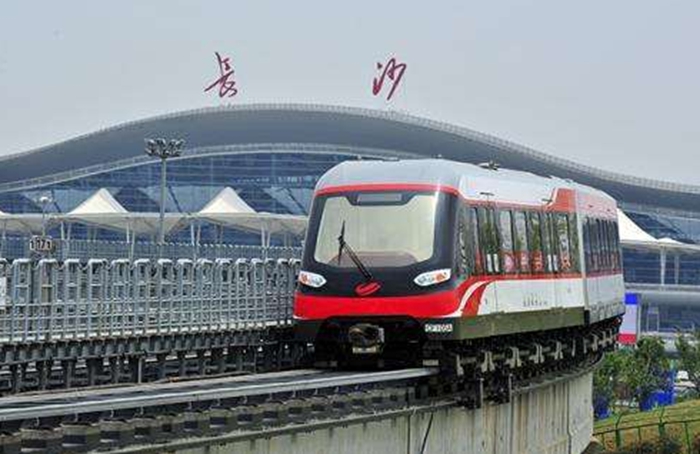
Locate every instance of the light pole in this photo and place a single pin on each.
(163, 149)
(44, 201)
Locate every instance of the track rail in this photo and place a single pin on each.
(169, 416)
(419, 407)
(74, 403)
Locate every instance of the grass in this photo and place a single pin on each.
(638, 426)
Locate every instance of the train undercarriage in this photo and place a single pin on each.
(484, 368)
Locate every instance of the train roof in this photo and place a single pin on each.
(472, 181)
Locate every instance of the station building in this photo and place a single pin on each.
(272, 156)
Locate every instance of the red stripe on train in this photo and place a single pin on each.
(439, 304)
(387, 187)
(563, 200)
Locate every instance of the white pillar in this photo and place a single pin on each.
(4, 239)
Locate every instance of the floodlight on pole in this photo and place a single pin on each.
(163, 149)
(44, 201)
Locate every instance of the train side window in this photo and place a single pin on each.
(604, 245)
(573, 242)
(546, 243)
(616, 245)
(535, 242)
(484, 239)
(495, 242)
(601, 245)
(520, 237)
(507, 256)
(564, 248)
(553, 242)
(489, 240)
(611, 247)
(587, 250)
(595, 245)
(462, 243)
(475, 242)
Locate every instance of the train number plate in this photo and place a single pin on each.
(43, 244)
(439, 328)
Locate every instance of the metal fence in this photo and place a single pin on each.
(681, 430)
(14, 247)
(50, 300)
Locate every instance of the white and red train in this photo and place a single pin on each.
(404, 254)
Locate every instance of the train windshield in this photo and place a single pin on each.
(384, 229)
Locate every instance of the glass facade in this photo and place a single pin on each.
(644, 267)
(268, 182)
(662, 317)
(684, 227)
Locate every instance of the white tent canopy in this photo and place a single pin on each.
(229, 210)
(226, 201)
(102, 210)
(101, 202)
(255, 222)
(629, 231)
(21, 223)
(632, 235)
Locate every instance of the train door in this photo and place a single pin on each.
(592, 258)
(567, 281)
(485, 226)
(579, 254)
(536, 290)
(510, 289)
(521, 247)
(551, 262)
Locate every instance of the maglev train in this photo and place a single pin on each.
(400, 255)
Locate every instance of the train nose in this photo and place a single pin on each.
(365, 335)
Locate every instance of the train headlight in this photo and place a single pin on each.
(311, 279)
(433, 277)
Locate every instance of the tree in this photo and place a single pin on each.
(647, 368)
(689, 356)
(632, 373)
(608, 380)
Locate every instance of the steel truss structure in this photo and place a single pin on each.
(83, 323)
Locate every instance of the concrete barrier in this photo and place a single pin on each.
(552, 419)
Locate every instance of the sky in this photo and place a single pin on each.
(613, 84)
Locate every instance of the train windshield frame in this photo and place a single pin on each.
(386, 229)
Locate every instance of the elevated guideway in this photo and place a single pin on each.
(304, 411)
(552, 417)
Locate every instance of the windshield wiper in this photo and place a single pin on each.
(344, 246)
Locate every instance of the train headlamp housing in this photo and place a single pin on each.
(311, 279)
(433, 277)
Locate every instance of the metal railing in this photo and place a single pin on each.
(49, 300)
(680, 430)
(15, 247)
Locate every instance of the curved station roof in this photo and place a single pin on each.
(315, 128)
